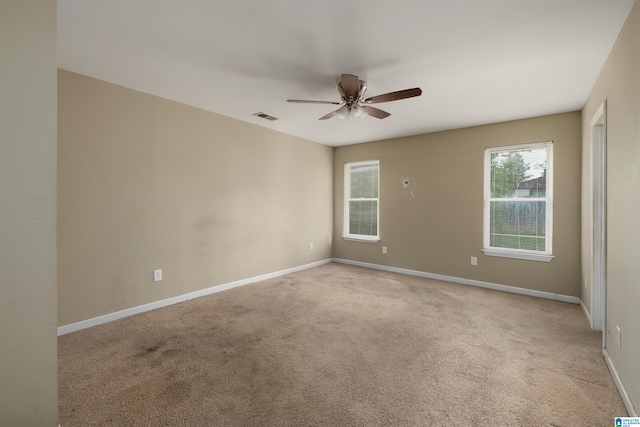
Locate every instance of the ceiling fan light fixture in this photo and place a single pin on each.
(343, 112)
(350, 112)
(357, 111)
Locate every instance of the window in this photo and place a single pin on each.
(518, 202)
(361, 207)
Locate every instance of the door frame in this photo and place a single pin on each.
(598, 129)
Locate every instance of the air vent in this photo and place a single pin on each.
(265, 116)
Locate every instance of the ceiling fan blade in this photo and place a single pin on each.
(393, 96)
(304, 101)
(328, 116)
(375, 112)
(350, 85)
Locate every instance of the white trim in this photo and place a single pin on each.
(495, 286)
(586, 313)
(372, 239)
(519, 147)
(83, 324)
(531, 256)
(598, 165)
(616, 378)
(598, 116)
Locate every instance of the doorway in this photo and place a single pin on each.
(598, 219)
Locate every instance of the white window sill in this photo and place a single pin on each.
(518, 255)
(364, 239)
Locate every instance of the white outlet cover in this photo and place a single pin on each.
(474, 260)
(157, 275)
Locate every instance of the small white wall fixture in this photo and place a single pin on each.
(598, 219)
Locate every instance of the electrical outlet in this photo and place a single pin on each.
(311, 246)
(618, 337)
(384, 249)
(474, 260)
(157, 275)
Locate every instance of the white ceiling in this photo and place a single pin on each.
(477, 61)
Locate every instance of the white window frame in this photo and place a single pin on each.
(347, 198)
(526, 254)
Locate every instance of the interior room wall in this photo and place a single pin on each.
(28, 343)
(146, 183)
(435, 224)
(618, 85)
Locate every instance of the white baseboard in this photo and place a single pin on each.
(65, 329)
(586, 313)
(505, 288)
(62, 330)
(616, 378)
(73, 327)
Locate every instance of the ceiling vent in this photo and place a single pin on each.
(265, 116)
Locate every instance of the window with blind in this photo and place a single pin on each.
(518, 201)
(361, 206)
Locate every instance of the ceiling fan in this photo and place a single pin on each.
(352, 90)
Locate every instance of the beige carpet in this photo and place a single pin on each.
(340, 345)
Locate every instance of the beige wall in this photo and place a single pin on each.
(439, 229)
(28, 343)
(147, 183)
(619, 85)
